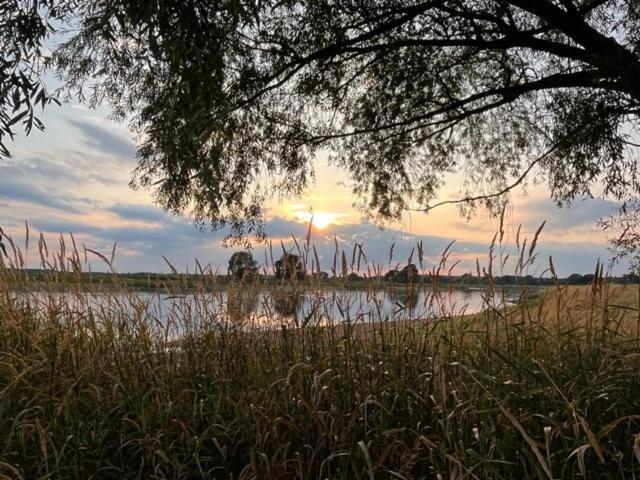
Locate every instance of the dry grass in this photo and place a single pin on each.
(112, 389)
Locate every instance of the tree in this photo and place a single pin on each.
(241, 264)
(354, 277)
(290, 266)
(226, 94)
(574, 279)
(408, 274)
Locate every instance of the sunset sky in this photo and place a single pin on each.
(73, 178)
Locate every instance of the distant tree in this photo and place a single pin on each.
(320, 275)
(574, 279)
(222, 94)
(290, 266)
(354, 277)
(391, 274)
(468, 279)
(242, 264)
(408, 274)
(508, 280)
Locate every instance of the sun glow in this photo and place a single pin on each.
(322, 220)
(319, 220)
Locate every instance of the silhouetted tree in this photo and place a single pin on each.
(290, 265)
(574, 279)
(408, 274)
(402, 92)
(391, 275)
(242, 264)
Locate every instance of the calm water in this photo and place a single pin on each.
(271, 308)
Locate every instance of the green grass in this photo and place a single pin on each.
(544, 389)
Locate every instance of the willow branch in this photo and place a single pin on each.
(507, 189)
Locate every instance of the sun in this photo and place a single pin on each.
(319, 220)
(322, 220)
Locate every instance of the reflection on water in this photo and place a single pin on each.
(240, 305)
(269, 308)
(287, 304)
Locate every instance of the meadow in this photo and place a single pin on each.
(545, 387)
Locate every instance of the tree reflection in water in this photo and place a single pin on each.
(241, 304)
(287, 304)
(405, 299)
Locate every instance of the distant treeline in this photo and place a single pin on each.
(153, 280)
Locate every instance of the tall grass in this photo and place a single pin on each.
(97, 382)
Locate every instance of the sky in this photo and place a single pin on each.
(73, 179)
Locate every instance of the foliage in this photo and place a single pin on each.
(408, 274)
(241, 264)
(290, 266)
(233, 99)
(626, 243)
(24, 26)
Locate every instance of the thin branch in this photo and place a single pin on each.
(507, 189)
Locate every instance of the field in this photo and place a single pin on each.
(548, 387)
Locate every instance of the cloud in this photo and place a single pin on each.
(167, 235)
(16, 191)
(142, 212)
(103, 140)
(580, 213)
(72, 168)
(155, 233)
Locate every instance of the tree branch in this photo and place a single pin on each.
(507, 189)
(506, 95)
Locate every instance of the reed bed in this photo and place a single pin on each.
(97, 381)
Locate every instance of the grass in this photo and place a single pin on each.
(545, 388)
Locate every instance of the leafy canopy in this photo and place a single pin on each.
(234, 98)
(290, 266)
(241, 263)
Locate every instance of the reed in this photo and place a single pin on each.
(99, 381)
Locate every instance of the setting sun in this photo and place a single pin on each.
(319, 220)
(322, 220)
